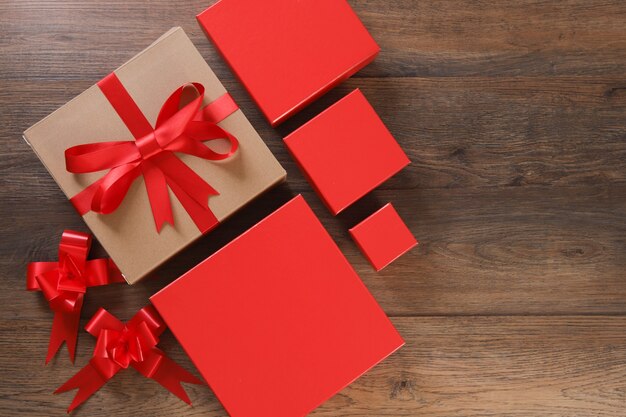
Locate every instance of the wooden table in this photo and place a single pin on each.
(514, 116)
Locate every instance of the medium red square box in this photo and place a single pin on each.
(278, 321)
(346, 151)
(287, 53)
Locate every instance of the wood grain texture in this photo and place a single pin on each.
(451, 366)
(514, 116)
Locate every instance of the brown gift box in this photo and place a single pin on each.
(129, 234)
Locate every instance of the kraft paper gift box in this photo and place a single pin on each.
(288, 53)
(277, 321)
(145, 153)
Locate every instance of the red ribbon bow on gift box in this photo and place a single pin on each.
(178, 128)
(122, 345)
(64, 284)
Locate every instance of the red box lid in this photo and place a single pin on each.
(383, 237)
(288, 53)
(346, 151)
(277, 321)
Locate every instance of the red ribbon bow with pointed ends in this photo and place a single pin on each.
(64, 284)
(179, 129)
(122, 345)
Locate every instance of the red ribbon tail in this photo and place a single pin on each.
(192, 191)
(170, 375)
(200, 214)
(88, 380)
(64, 329)
(156, 186)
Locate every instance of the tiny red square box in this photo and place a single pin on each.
(346, 151)
(277, 321)
(383, 237)
(287, 53)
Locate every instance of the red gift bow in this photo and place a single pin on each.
(151, 154)
(64, 283)
(122, 345)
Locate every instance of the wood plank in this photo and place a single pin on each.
(450, 366)
(497, 366)
(51, 39)
(519, 250)
(496, 38)
(459, 132)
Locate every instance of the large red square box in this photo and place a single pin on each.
(346, 151)
(289, 52)
(278, 321)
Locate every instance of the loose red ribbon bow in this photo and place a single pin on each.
(64, 284)
(179, 128)
(122, 345)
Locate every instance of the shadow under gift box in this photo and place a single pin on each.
(129, 234)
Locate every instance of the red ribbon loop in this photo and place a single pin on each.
(180, 128)
(64, 284)
(122, 345)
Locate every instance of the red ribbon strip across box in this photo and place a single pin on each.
(122, 345)
(178, 129)
(64, 284)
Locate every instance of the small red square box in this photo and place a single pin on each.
(288, 53)
(277, 321)
(346, 151)
(383, 237)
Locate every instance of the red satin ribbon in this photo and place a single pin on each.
(122, 345)
(179, 129)
(64, 284)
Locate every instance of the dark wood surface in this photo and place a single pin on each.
(514, 116)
